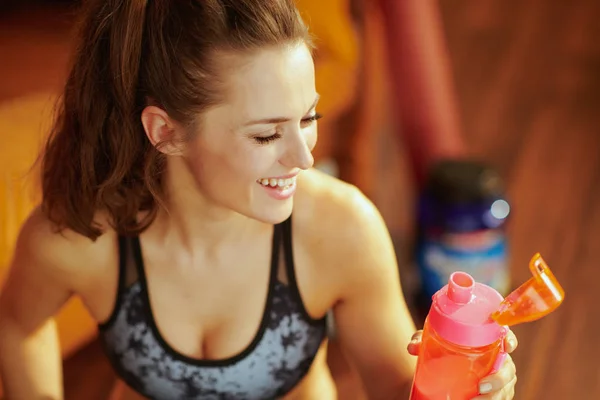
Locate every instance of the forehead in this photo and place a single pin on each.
(278, 81)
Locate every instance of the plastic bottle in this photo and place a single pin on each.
(462, 337)
(462, 214)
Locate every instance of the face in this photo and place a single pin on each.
(248, 152)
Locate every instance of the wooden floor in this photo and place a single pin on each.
(528, 80)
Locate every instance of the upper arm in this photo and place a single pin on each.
(372, 319)
(39, 281)
(45, 271)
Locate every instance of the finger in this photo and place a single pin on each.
(507, 392)
(413, 348)
(495, 382)
(417, 336)
(510, 342)
(415, 343)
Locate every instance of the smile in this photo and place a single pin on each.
(277, 183)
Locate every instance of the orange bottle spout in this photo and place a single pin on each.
(536, 298)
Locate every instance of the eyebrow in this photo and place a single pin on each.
(279, 120)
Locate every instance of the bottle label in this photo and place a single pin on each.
(480, 254)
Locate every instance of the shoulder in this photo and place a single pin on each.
(64, 255)
(335, 205)
(342, 227)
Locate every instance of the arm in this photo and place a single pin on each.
(36, 288)
(373, 323)
(422, 80)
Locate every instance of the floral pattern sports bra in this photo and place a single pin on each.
(274, 362)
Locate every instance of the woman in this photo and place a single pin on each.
(182, 150)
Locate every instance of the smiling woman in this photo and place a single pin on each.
(181, 152)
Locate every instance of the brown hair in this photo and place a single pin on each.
(132, 53)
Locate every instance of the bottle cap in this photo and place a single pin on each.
(461, 311)
(534, 299)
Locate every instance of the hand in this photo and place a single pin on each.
(498, 386)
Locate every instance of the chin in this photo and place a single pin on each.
(274, 214)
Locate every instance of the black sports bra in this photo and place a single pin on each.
(276, 360)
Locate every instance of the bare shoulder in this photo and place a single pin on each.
(335, 204)
(341, 226)
(62, 255)
(48, 267)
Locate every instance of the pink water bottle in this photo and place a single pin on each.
(461, 343)
(464, 333)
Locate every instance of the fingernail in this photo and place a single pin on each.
(512, 343)
(485, 387)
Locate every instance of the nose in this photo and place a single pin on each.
(298, 151)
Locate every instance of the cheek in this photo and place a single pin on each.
(229, 167)
(257, 161)
(208, 166)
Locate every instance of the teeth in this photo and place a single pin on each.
(282, 183)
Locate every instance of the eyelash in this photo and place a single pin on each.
(306, 122)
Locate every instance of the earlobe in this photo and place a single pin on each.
(160, 130)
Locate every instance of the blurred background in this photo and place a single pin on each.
(524, 97)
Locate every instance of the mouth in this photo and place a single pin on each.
(274, 183)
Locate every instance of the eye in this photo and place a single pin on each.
(267, 139)
(310, 120)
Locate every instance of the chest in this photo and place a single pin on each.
(277, 357)
(251, 335)
(209, 315)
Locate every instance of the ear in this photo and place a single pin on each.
(162, 131)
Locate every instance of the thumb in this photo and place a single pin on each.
(415, 343)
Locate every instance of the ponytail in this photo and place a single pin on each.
(97, 147)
